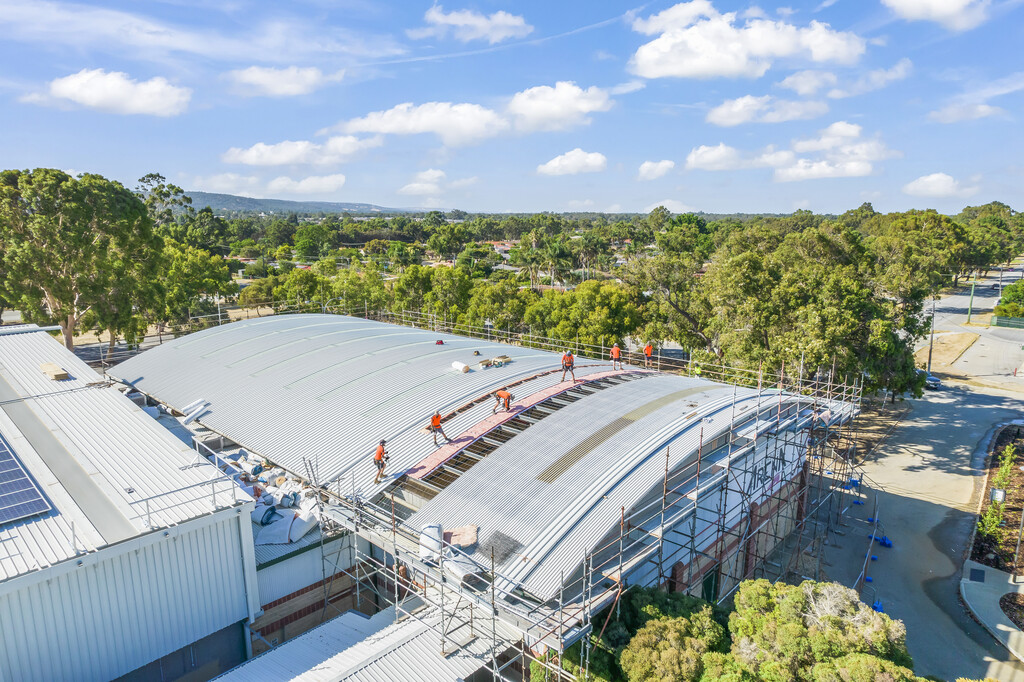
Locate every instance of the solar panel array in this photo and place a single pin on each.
(20, 497)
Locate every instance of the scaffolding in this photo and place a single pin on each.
(759, 500)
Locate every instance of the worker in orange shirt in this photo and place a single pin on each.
(568, 362)
(380, 459)
(648, 351)
(616, 356)
(502, 397)
(435, 427)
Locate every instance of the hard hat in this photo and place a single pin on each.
(437, 411)
(383, 441)
(616, 344)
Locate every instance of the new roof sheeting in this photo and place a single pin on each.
(107, 447)
(552, 503)
(328, 387)
(353, 648)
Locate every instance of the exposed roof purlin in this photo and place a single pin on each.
(430, 463)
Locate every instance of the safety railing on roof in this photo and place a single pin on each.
(796, 379)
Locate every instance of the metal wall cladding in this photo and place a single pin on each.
(302, 570)
(127, 453)
(126, 606)
(327, 388)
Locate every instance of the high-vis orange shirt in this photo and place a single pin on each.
(380, 453)
(648, 349)
(616, 351)
(567, 360)
(435, 421)
(504, 395)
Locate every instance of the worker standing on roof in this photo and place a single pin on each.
(648, 351)
(502, 396)
(380, 459)
(568, 362)
(435, 427)
(616, 356)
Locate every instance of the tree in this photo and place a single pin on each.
(163, 199)
(411, 287)
(671, 649)
(62, 239)
(194, 281)
(447, 240)
(783, 631)
(204, 230)
(503, 303)
(448, 293)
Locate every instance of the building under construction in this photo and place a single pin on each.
(510, 541)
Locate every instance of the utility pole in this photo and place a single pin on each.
(931, 341)
(970, 304)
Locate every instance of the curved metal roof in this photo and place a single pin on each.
(327, 388)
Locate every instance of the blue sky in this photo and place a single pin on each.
(709, 105)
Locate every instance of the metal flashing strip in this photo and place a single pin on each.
(579, 451)
(102, 513)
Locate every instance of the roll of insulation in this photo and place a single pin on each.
(460, 367)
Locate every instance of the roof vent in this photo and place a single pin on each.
(54, 371)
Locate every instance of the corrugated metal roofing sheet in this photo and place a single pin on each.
(554, 491)
(353, 648)
(327, 388)
(119, 451)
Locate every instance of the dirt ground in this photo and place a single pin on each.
(999, 552)
(947, 349)
(875, 423)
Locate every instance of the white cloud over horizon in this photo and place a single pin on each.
(938, 186)
(456, 124)
(556, 108)
(874, 80)
(574, 162)
(115, 92)
(313, 184)
(694, 40)
(336, 149)
(652, 170)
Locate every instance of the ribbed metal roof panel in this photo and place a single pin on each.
(327, 388)
(556, 520)
(122, 451)
(353, 648)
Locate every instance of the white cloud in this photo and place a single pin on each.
(335, 150)
(627, 87)
(573, 162)
(875, 80)
(424, 183)
(556, 108)
(843, 154)
(463, 182)
(227, 183)
(956, 15)
(719, 157)
(115, 92)
(954, 113)
(580, 203)
(840, 151)
(938, 186)
(696, 41)
(83, 27)
(785, 11)
(286, 82)
(467, 25)
(673, 205)
(808, 82)
(314, 184)
(764, 109)
(652, 170)
(974, 103)
(455, 124)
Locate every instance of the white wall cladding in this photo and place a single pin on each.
(126, 606)
(292, 574)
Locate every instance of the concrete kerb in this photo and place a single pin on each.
(992, 619)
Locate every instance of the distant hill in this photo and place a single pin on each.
(230, 202)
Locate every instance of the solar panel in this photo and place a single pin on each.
(19, 495)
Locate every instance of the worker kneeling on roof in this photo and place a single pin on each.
(502, 396)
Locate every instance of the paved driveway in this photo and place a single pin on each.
(929, 473)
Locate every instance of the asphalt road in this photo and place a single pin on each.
(929, 481)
